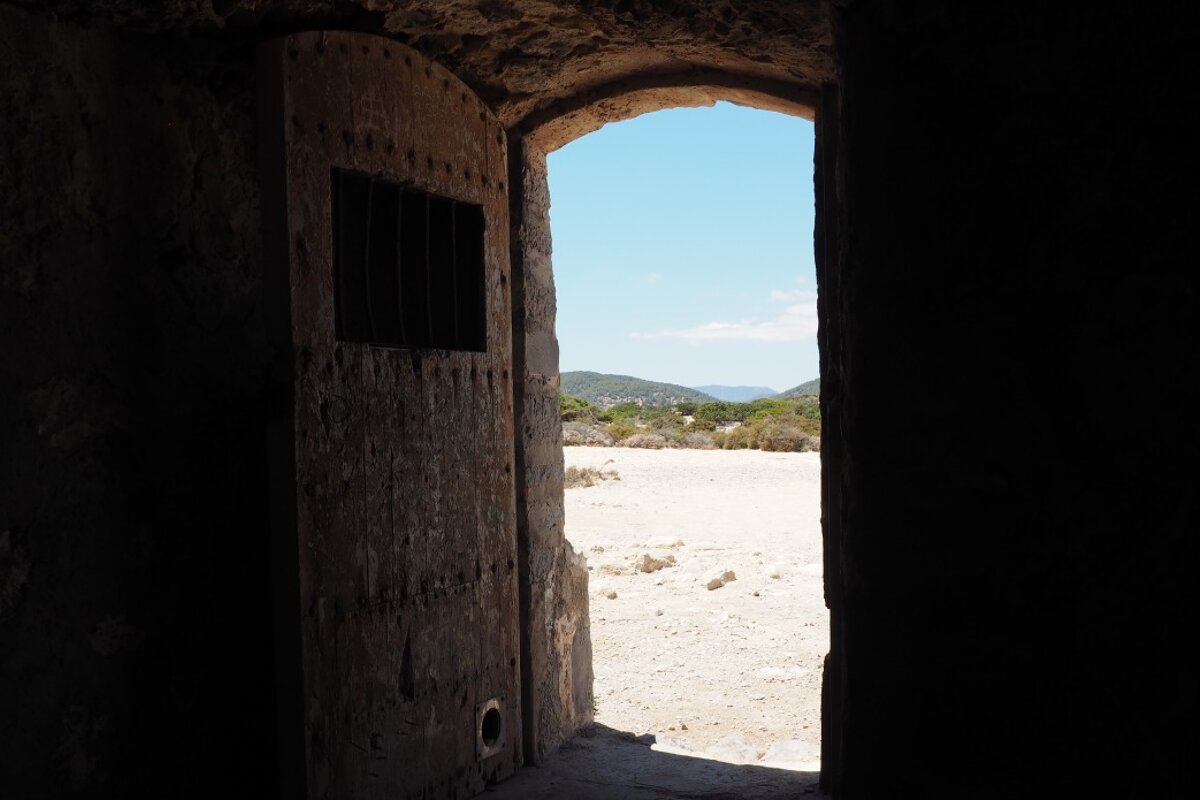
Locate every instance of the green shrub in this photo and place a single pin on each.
(811, 427)
(621, 410)
(621, 429)
(573, 408)
(791, 425)
(782, 436)
(720, 411)
(739, 438)
(666, 422)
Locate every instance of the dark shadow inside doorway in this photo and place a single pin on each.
(606, 764)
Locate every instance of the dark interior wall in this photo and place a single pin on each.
(1018, 307)
(1014, 190)
(135, 644)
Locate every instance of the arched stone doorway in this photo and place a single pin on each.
(555, 599)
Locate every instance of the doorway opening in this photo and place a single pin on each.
(685, 284)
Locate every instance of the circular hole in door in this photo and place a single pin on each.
(492, 727)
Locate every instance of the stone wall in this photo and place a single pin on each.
(524, 57)
(557, 640)
(1016, 298)
(1008, 306)
(135, 623)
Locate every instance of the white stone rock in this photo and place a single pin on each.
(792, 752)
(775, 572)
(735, 749)
(667, 743)
(664, 542)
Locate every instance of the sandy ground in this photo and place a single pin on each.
(731, 674)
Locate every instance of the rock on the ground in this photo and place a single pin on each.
(719, 578)
(735, 749)
(664, 542)
(792, 751)
(666, 743)
(775, 572)
(649, 563)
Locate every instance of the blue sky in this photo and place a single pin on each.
(683, 248)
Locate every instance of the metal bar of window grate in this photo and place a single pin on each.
(343, 293)
(428, 277)
(454, 273)
(372, 329)
(399, 267)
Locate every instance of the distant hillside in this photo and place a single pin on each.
(737, 394)
(812, 387)
(609, 390)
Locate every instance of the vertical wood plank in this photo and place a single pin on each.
(405, 513)
(328, 403)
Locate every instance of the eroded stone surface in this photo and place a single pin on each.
(523, 57)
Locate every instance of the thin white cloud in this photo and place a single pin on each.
(653, 278)
(796, 322)
(791, 296)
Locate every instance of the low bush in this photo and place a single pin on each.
(576, 477)
(792, 425)
(581, 434)
(621, 429)
(782, 437)
(649, 441)
(740, 438)
(697, 440)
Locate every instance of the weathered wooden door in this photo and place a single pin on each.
(387, 254)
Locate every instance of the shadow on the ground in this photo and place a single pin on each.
(606, 764)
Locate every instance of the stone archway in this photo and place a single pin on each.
(567, 119)
(554, 599)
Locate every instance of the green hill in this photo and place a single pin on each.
(607, 391)
(812, 387)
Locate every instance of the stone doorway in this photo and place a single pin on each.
(653, 763)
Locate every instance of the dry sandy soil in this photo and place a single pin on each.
(732, 673)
